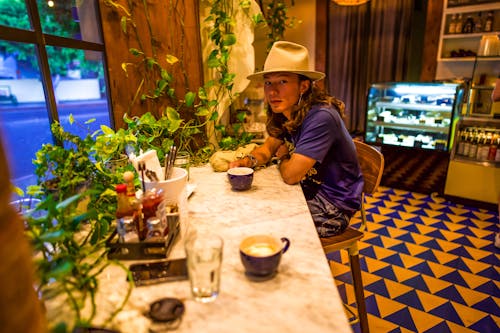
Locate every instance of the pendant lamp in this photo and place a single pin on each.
(350, 2)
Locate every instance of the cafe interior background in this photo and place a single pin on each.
(452, 223)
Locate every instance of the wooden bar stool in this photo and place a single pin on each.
(372, 167)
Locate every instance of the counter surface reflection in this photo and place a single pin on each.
(302, 297)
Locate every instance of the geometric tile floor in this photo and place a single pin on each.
(428, 265)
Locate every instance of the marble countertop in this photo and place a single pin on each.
(302, 297)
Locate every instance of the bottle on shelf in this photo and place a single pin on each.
(468, 26)
(459, 24)
(452, 24)
(473, 144)
(468, 136)
(462, 138)
(488, 22)
(492, 151)
(478, 24)
(497, 154)
(482, 146)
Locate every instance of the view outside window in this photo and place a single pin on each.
(75, 68)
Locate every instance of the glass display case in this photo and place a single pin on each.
(413, 114)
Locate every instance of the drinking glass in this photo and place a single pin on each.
(182, 161)
(204, 259)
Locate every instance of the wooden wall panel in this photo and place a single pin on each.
(431, 40)
(173, 29)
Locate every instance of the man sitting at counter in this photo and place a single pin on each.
(309, 138)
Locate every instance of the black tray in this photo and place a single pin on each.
(141, 250)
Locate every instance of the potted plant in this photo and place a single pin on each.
(110, 147)
(69, 256)
(71, 223)
(64, 168)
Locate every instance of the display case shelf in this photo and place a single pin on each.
(418, 106)
(414, 127)
(412, 114)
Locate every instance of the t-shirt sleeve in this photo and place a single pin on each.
(318, 133)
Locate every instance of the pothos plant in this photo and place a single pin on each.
(69, 227)
(70, 256)
(189, 116)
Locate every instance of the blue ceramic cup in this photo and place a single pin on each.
(261, 255)
(240, 178)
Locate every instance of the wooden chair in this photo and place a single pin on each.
(372, 167)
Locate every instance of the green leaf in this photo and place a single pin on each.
(190, 96)
(214, 116)
(107, 130)
(202, 112)
(213, 63)
(229, 39)
(123, 24)
(61, 269)
(241, 116)
(202, 93)
(135, 52)
(151, 62)
(172, 114)
(162, 84)
(66, 203)
(71, 119)
(53, 237)
(166, 75)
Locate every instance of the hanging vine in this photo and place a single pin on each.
(196, 109)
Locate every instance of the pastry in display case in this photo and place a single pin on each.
(413, 114)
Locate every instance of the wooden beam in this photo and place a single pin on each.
(431, 40)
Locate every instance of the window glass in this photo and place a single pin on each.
(80, 90)
(24, 122)
(76, 71)
(13, 14)
(67, 19)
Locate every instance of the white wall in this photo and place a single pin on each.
(303, 33)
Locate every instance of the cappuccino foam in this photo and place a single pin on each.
(260, 249)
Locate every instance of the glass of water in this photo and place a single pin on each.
(204, 260)
(182, 160)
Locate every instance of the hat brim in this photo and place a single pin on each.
(313, 75)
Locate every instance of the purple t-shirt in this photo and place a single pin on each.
(336, 175)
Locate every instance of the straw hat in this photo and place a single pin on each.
(288, 57)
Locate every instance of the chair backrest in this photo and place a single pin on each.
(372, 165)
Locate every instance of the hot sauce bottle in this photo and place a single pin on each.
(125, 215)
(150, 205)
(135, 205)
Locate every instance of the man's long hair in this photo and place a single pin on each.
(277, 123)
